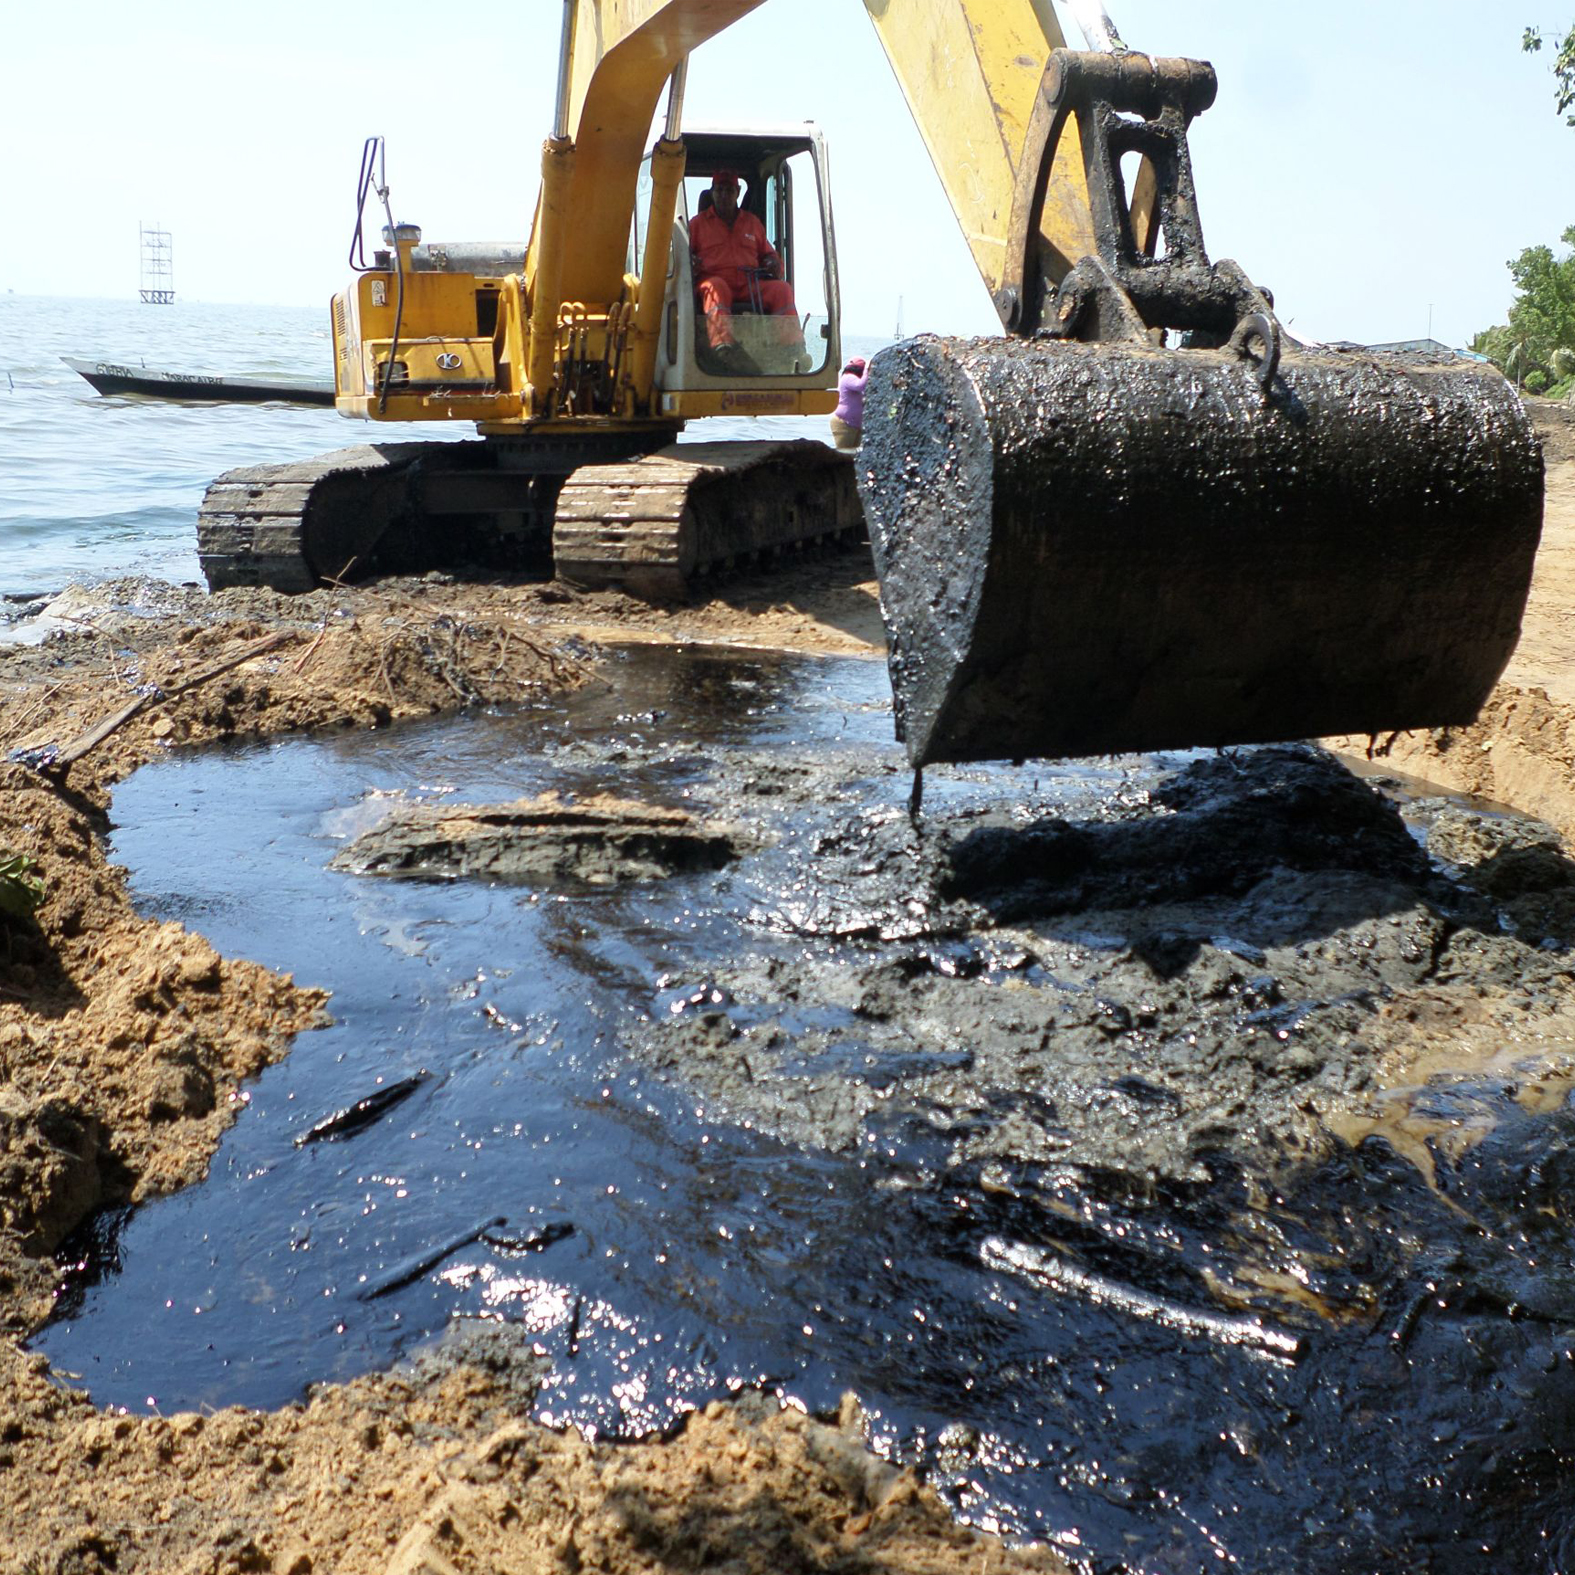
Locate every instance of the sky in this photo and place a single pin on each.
(1376, 163)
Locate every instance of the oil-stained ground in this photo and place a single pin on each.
(1255, 1075)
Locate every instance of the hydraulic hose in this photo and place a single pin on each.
(1098, 30)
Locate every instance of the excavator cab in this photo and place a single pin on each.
(786, 358)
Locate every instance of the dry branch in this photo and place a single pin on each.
(96, 734)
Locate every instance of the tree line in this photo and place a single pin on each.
(1536, 347)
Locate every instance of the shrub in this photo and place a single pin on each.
(21, 890)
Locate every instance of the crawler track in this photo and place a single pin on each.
(651, 526)
(290, 527)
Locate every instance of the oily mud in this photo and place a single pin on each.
(127, 1045)
(1093, 1133)
(1194, 964)
(596, 841)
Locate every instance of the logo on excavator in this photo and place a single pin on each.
(448, 361)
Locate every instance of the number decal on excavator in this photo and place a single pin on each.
(759, 401)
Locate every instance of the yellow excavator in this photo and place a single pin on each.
(1145, 518)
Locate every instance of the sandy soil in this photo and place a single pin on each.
(125, 1046)
(1521, 750)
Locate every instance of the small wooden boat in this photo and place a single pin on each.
(110, 377)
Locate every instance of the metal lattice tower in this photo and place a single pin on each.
(158, 266)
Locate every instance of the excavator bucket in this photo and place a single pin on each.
(1093, 548)
(1154, 521)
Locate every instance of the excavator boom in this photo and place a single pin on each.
(971, 71)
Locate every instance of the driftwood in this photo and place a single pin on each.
(414, 1267)
(354, 1118)
(537, 1240)
(96, 734)
(1056, 1273)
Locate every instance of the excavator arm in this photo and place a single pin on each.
(972, 72)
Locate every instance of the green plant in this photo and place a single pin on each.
(1563, 69)
(1509, 348)
(1541, 320)
(21, 890)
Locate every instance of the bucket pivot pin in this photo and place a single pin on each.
(1129, 290)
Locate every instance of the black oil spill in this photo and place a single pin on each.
(1018, 1130)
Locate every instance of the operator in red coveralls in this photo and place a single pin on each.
(725, 241)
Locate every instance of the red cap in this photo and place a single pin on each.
(724, 178)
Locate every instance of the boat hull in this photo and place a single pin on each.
(110, 377)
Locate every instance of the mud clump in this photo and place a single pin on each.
(1517, 863)
(595, 842)
(1216, 829)
(1205, 972)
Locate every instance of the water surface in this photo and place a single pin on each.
(92, 487)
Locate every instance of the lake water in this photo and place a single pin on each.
(93, 487)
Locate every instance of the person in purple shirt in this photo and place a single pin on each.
(847, 423)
